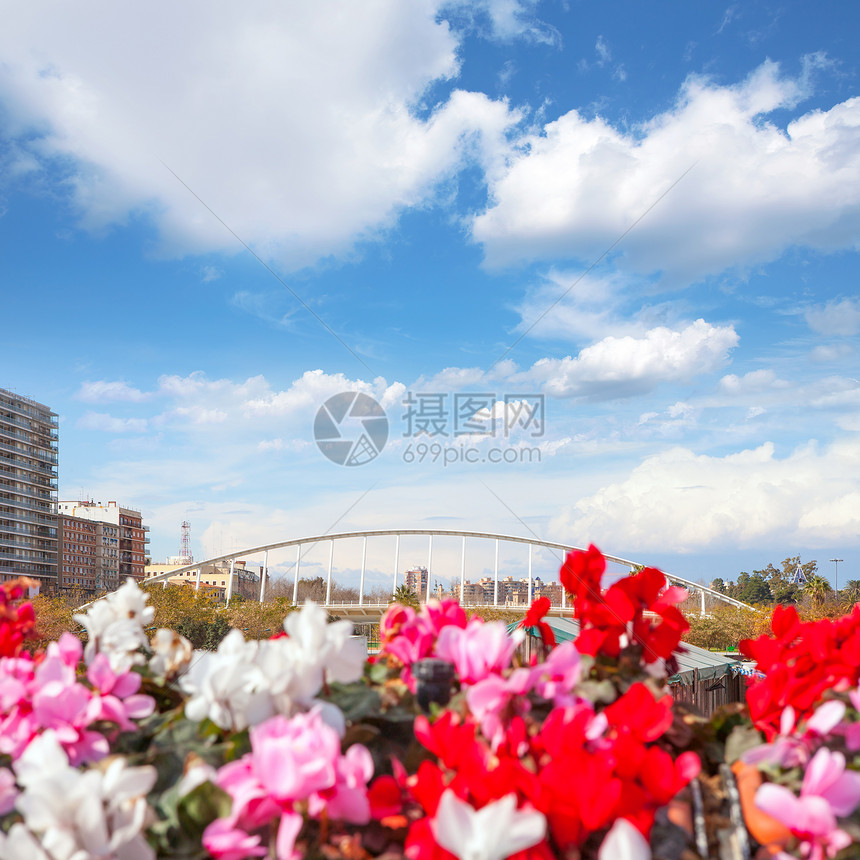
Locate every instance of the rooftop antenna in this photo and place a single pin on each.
(185, 543)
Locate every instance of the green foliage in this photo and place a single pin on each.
(405, 596)
(817, 588)
(850, 593)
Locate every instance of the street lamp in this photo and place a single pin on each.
(836, 562)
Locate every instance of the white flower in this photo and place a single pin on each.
(494, 832)
(115, 625)
(71, 814)
(20, 844)
(328, 646)
(244, 683)
(227, 686)
(171, 653)
(624, 842)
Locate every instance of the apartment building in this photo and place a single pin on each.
(121, 540)
(28, 490)
(77, 554)
(416, 580)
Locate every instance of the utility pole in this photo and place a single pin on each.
(836, 562)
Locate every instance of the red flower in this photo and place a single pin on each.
(534, 618)
(581, 573)
(16, 620)
(800, 661)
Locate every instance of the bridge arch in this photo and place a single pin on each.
(397, 534)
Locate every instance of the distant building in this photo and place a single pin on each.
(28, 490)
(416, 580)
(121, 540)
(213, 577)
(78, 546)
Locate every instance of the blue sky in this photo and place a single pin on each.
(647, 215)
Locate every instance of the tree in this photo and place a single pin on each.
(718, 584)
(817, 588)
(851, 592)
(405, 596)
(753, 589)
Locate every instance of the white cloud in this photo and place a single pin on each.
(110, 424)
(835, 318)
(751, 383)
(831, 352)
(575, 187)
(303, 130)
(679, 501)
(624, 366)
(508, 19)
(104, 391)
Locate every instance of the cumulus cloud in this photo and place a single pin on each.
(304, 131)
(835, 318)
(756, 188)
(678, 500)
(107, 391)
(625, 366)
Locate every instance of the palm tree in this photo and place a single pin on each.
(851, 592)
(406, 597)
(817, 587)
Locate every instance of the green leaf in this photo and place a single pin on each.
(357, 701)
(199, 808)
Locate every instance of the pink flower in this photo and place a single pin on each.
(293, 758)
(556, 677)
(225, 842)
(478, 650)
(828, 791)
(791, 749)
(394, 619)
(444, 613)
(348, 799)
(495, 700)
(8, 791)
(827, 777)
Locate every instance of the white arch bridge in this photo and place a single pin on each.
(363, 609)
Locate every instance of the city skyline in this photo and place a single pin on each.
(645, 220)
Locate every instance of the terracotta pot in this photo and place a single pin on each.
(771, 834)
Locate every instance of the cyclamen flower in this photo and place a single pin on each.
(408, 636)
(291, 762)
(791, 749)
(8, 791)
(171, 653)
(35, 697)
(244, 683)
(69, 813)
(494, 700)
(16, 619)
(479, 650)
(115, 624)
(624, 842)
(828, 791)
(494, 832)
